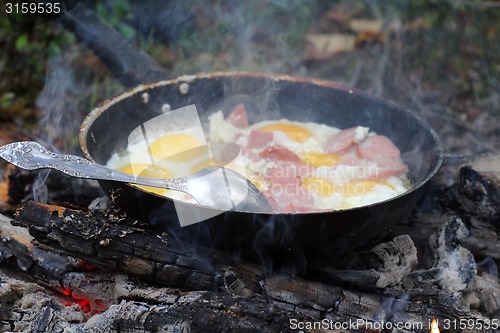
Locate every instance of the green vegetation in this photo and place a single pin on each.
(24, 54)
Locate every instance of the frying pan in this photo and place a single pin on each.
(266, 97)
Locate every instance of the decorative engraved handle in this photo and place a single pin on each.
(30, 155)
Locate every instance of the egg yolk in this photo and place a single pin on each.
(294, 132)
(150, 171)
(321, 159)
(172, 144)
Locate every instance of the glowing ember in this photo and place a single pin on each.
(87, 305)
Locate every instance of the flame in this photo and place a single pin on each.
(434, 326)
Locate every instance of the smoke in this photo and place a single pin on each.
(56, 119)
(489, 266)
(40, 192)
(69, 90)
(251, 36)
(58, 103)
(392, 306)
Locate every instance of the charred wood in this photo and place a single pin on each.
(453, 275)
(114, 241)
(382, 266)
(480, 184)
(111, 240)
(478, 198)
(467, 188)
(17, 188)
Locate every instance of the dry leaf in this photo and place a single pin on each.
(373, 26)
(322, 46)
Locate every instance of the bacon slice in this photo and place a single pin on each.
(285, 192)
(284, 182)
(259, 139)
(386, 172)
(281, 154)
(344, 140)
(238, 117)
(379, 149)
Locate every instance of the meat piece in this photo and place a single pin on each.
(374, 158)
(280, 154)
(381, 150)
(238, 117)
(349, 160)
(303, 201)
(342, 141)
(385, 172)
(285, 175)
(284, 185)
(259, 139)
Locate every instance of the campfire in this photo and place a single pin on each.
(77, 255)
(99, 268)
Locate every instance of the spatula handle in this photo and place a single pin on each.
(30, 155)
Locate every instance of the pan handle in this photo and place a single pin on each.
(130, 65)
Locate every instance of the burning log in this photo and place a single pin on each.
(211, 285)
(136, 308)
(114, 241)
(480, 180)
(95, 291)
(455, 273)
(479, 201)
(381, 267)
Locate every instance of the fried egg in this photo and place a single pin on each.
(329, 181)
(331, 185)
(163, 156)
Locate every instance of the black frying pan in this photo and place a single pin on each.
(268, 96)
(107, 127)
